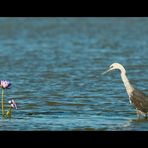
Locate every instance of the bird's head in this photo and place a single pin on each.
(115, 66)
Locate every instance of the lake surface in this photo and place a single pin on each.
(55, 66)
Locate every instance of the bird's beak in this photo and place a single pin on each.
(106, 71)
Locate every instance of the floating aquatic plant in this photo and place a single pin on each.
(12, 105)
(6, 85)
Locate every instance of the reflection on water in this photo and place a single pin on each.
(55, 66)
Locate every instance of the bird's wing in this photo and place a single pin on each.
(140, 95)
(140, 100)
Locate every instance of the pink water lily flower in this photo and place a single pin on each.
(12, 103)
(5, 84)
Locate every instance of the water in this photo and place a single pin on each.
(55, 66)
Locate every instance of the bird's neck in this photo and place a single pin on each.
(128, 86)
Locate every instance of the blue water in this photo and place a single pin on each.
(55, 66)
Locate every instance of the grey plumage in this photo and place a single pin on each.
(139, 100)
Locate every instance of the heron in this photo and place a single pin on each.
(136, 97)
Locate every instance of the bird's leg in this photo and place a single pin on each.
(138, 114)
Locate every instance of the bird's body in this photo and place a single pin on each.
(140, 101)
(136, 97)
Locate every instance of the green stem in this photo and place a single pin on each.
(2, 103)
(9, 112)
